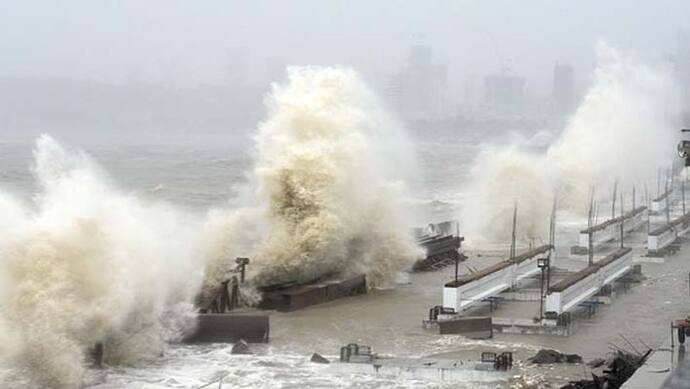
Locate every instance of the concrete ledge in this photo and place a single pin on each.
(472, 327)
(229, 328)
(529, 327)
(667, 250)
(301, 296)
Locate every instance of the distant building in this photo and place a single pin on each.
(419, 89)
(238, 65)
(275, 69)
(504, 91)
(563, 93)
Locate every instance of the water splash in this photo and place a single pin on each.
(623, 130)
(328, 181)
(88, 264)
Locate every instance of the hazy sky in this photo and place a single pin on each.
(193, 41)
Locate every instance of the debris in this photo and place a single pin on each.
(620, 368)
(596, 362)
(545, 356)
(442, 243)
(316, 358)
(240, 347)
(356, 353)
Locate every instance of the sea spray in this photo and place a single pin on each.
(88, 264)
(329, 172)
(623, 130)
(502, 178)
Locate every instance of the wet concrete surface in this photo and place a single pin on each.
(391, 320)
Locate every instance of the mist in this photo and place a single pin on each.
(139, 63)
(144, 146)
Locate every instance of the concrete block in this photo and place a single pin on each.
(478, 327)
(229, 328)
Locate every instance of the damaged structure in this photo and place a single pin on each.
(359, 359)
(290, 297)
(221, 321)
(441, 243)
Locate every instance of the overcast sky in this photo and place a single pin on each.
(193, 41)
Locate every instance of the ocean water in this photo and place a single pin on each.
(200, 172)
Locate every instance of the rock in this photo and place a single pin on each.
(596, 362)
(316, 358)
(240, 347)
(621, 366)
(545, 356)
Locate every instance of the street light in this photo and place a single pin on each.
(543, 265)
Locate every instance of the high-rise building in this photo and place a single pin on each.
(563, 93)
(275, 69)
(238, 65)
(504, 91)
(420, 56)
(418, 90)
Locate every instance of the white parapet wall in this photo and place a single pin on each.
(610, 230)
(566, 299)
(573, 290)
(616, 267)
(659, 204)
(473, 288)
(636, 219)
(606, 233)
(659, 239)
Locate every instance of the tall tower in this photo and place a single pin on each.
(563, 93)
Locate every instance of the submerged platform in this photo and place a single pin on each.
(296, 297)
(358, 359)
(657, 369)
(230, 328)
(427, 369)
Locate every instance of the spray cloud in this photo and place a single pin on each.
(328, 176)
(87, 264)
(623, 130)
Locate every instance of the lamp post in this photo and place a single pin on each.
(543, 265)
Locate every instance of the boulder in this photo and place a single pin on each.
(316, 358)
(545, 356)
(240, 347)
